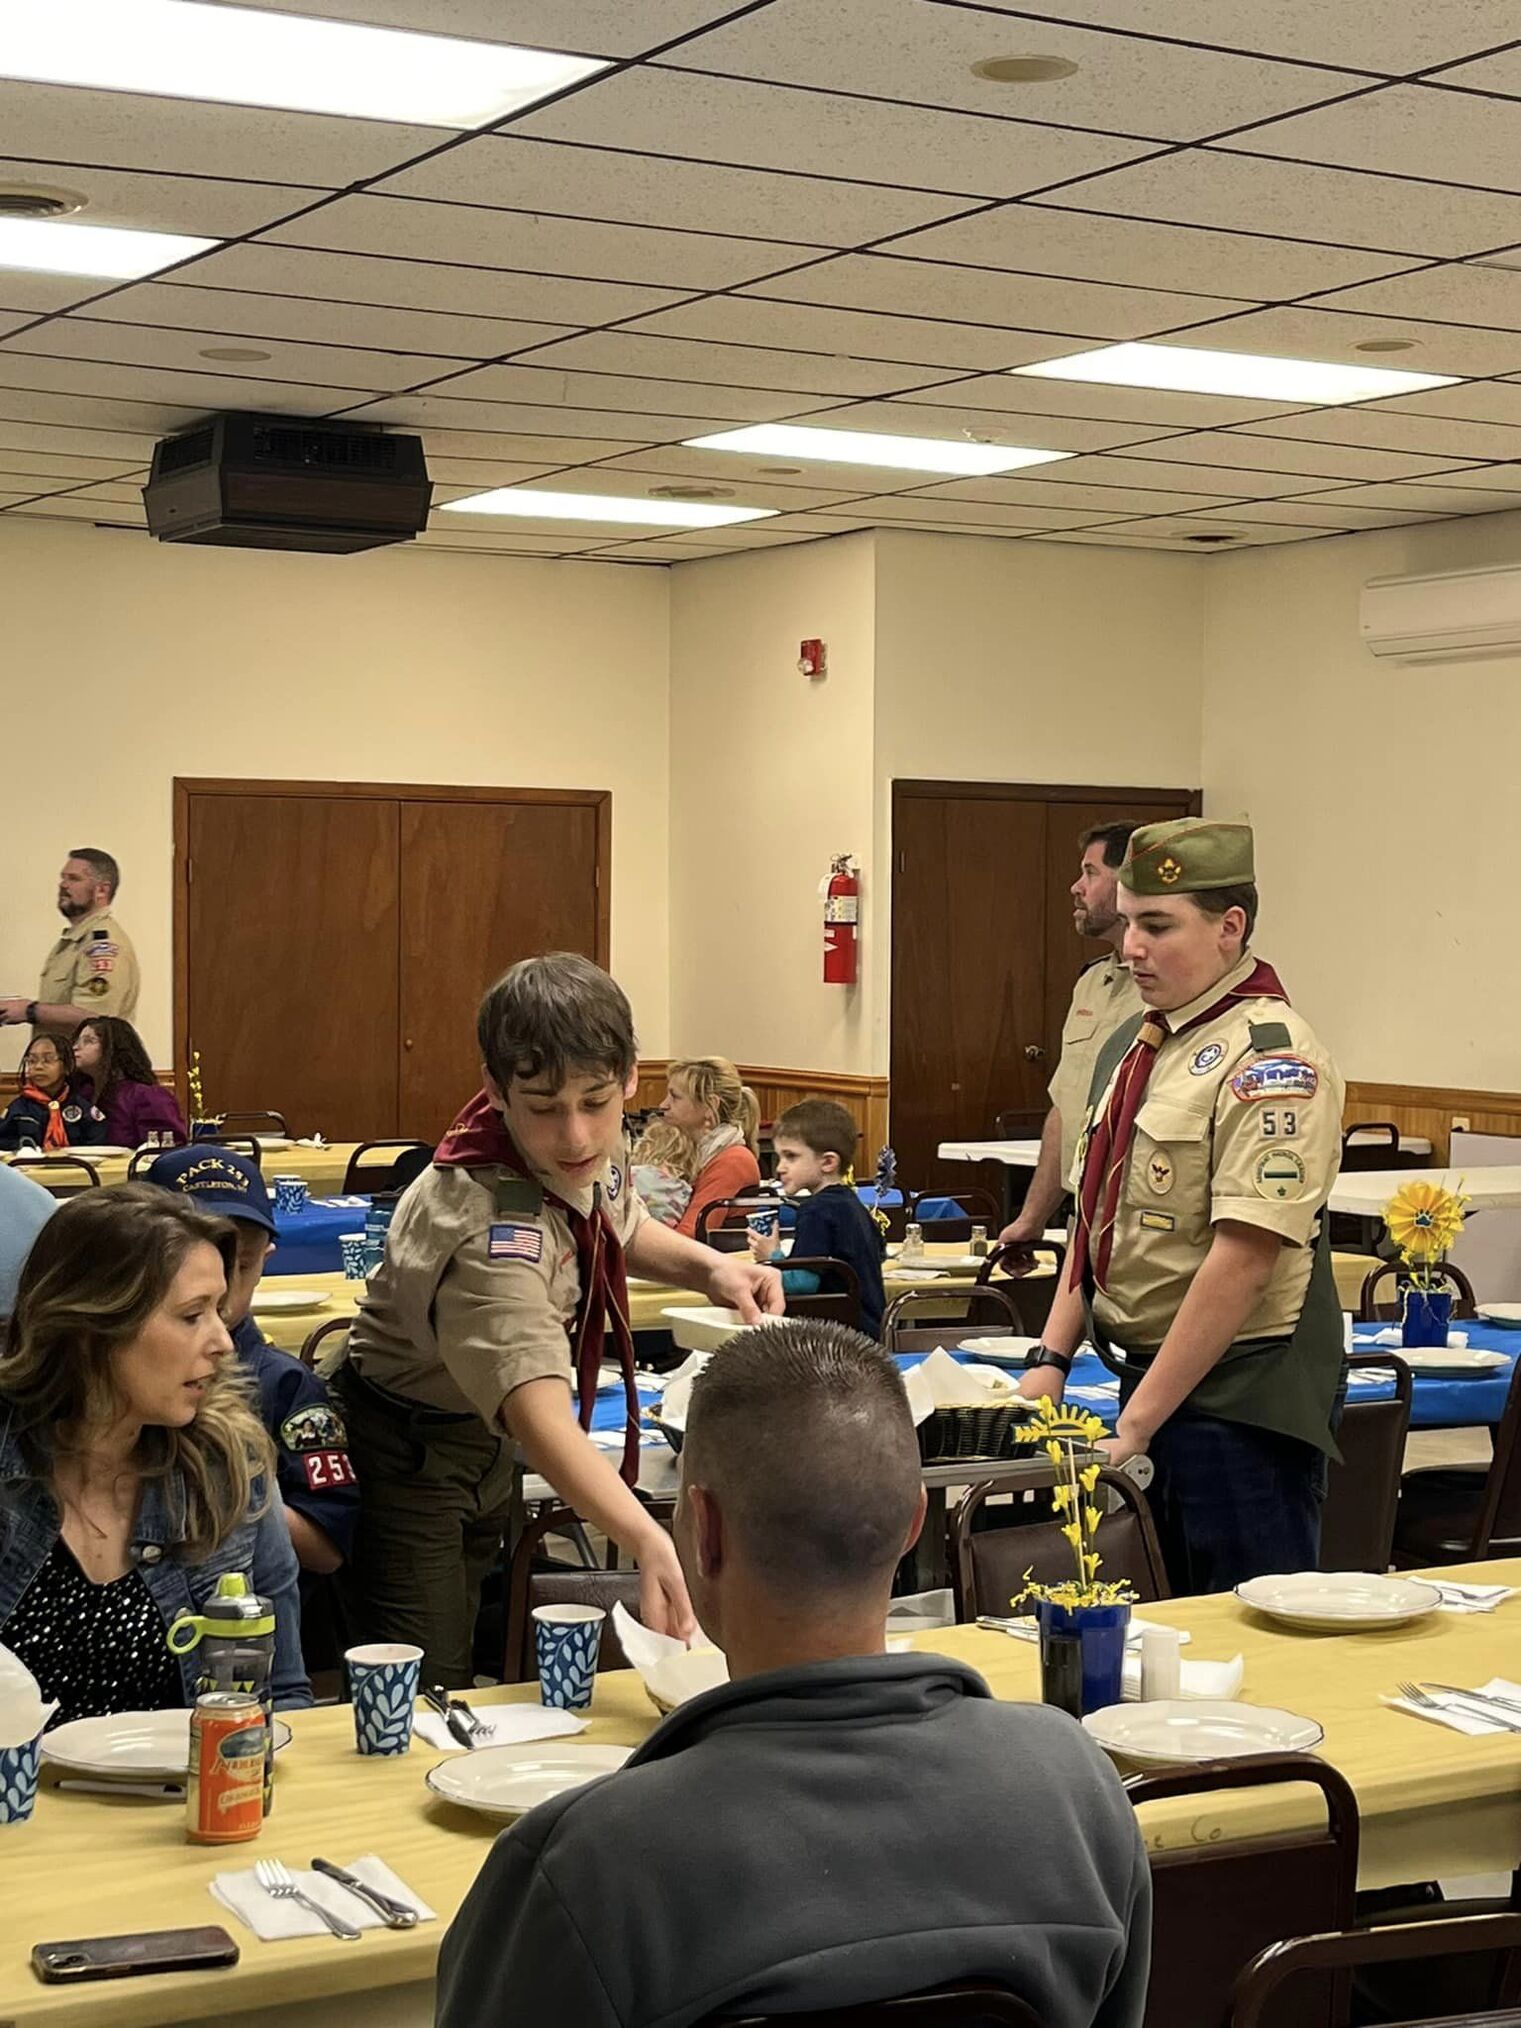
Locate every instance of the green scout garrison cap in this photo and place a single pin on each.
(1187, 854)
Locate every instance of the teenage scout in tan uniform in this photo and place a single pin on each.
(1199, 1254)
(501, 1292)
(92, 969)
(1103, 997)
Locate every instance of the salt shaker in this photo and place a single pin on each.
(1161, 1663)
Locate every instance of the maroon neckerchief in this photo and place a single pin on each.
(480, 1135)
(1104, 1163)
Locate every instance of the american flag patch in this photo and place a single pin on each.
(515, 1242)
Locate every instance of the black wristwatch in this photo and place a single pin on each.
(1042, 1355)
(31, 1013)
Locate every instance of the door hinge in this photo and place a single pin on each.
(189, 871)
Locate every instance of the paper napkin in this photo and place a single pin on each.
(1460, 1717)
(273, 1920)
(1471, 1598)
(1195, 1679)
(939, 1382)
(1457, 1341)
(509, 1724)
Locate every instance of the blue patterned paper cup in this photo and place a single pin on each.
(354, 1250)
(291, 1195)
(383, 1682)
(18, 1780)
(566, 1640)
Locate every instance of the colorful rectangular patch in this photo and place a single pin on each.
(515, 1242)
(1276, 1077)
(1158, 1221)
(327, 1470)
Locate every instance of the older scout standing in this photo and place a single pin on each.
(503, 1264)
(1199, 1247)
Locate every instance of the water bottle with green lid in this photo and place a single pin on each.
(235, 1633)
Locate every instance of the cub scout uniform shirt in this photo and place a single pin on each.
(478, 1285)
(1104, 996)
(94, 966)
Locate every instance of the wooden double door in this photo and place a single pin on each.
(984, 953)
(332, 940)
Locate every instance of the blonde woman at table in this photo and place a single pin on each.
(133, 1472)
(719, 1116)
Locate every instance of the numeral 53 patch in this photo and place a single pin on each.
(1279, 1123)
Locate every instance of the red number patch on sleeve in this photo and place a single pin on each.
(326, 1470)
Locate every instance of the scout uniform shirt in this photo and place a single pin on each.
(1104, 996)
(94, 966)
(1241, 1120)
(478, 1285)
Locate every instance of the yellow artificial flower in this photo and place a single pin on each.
(1424, 1220)
(1088, 1477)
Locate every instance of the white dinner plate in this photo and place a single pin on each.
(1506, 1315)
(507, 1781)
(96, 1153)
(1452, 1362)
(1339, 1600)
(130, 1744)
(1001, 1351)
(1178, 1731)
(269, 1144)
(277, 1302)
(936, 1263)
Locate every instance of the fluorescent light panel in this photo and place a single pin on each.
(1189, 369)
(111, 252)
(245, 56)
(863, 447)
(539, 506)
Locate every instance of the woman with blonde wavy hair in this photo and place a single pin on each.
(133, 1470)
(719, 1116)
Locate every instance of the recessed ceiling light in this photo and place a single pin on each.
(540, 506)
(865, 447)
(1189, 369)
(38, 200)
(691, 492)
(780, 471)
(1210, 541)
(109, 252)
(1386, 345)
(1024, 69)
(244, 56)
(233, 352)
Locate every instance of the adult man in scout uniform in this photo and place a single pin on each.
(502, 1290)
(1199, 1256)
(1103, 997)
(92, 969)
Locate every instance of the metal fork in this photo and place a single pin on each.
(274, 1876)
(1414, 1694)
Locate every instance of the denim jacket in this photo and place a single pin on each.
(260, 1549)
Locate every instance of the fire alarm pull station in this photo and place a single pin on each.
(813, 659)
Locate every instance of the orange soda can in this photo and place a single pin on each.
(224, 1796)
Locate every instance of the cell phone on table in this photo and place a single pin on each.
(124, 1957)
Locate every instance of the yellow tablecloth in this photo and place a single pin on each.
(322, 1169)
(647, 1301)
(290, 1333)
(1433, 1802)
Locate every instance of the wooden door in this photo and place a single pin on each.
(482, 885)
(289, 957)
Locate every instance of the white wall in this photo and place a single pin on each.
(1385, 802)
(127, 663)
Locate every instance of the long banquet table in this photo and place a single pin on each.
(322, 1169)
(1434, 1803)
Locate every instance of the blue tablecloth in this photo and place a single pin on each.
(306, 1242)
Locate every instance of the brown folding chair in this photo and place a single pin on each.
(47, 1170)
(330, 1329)
(1463, 1513)
(978, 1207)
(528, 1587)
(992, 1548)
(1216, 1904)
(1370, 1310)
(242, 1144)
(360, 1175)
(272, 1122)
(1377, 1146)
(722, 1224)
(1032, 1295)
(1416, 1945)
(144, 1159)
(838, 1296)
(921, 1319)
(973, 2006)
(1357, 1518)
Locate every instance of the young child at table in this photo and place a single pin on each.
(661, 1167)
(51, 1113)
(815, 1144)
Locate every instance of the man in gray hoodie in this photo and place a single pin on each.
(835, 1824)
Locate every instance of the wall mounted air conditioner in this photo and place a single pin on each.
(1448, 616)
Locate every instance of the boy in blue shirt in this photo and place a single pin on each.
(815, 1144)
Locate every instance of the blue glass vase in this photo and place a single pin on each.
(1427, 1315)
(1082, 1655)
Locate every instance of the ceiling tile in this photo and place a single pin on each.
(1376, 35)
(446, 412)
(600, 183)
(101, 412)
(1319, 513)
(1112, 500)
(907, 50)
(586, 28)
(1123, 537)
(1476, 401)
(1295, 332)
(1186, 534)
(1031, 303)
(243, 315)
(1418, 497)
(1457, 292)
(1179, 477)
(1278, 454)
(201, 392)
(582, 532)
(1496, 478)
(421, 285)
(117, 447)
(146, 345)
(1407, 130)
(1123, 408)
(1139, 253)
(1383, 428)
(732, 365)
(40, 295)
(122, 130)
(860, 334)
(189, 204)
(69, 507)
(553, 450)
(543, 386)
(451, 475)
(508, 540)
(916, 507)
(1344, 207)
(726, 468)
(741, 490)
(116, 491)
(1500, 73)
(1040, 433)
(478, 237)
(58, 465)
(13, 320)
(736, 120)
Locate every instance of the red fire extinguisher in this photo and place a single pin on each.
(842, 914)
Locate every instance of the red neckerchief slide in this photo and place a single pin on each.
(54, 1133)
(480, 1135)
(1104, 1164)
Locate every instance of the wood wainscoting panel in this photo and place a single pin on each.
(1430, 1109)
(865, 1098)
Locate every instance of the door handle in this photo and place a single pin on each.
(1033, 1052)
(406, 1042)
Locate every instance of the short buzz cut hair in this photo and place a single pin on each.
(102, 865)
(823, 1126)
(554, 1017)
(802, 1433)
(1115, 839)
(1214, 901)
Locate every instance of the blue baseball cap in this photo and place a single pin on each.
(218, 1180)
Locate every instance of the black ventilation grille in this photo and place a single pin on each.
(177, 454)
(283, 444)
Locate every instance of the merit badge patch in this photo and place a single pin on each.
(1207, 1058)
(1276, 1077)
(95, 987)
(1279, 1175)
(515, 1242)
(1160, 1174)
(314, 1428)
(1158, 1221)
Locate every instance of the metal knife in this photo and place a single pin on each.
(1505, 1706)
(456, 1722)
(394, 1914)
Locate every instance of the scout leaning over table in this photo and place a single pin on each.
(1199, 1250)
(503, 1264)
